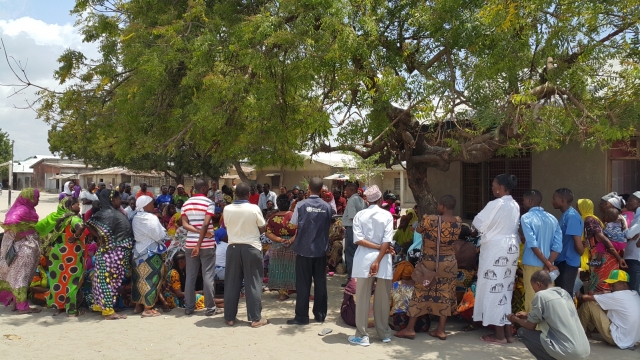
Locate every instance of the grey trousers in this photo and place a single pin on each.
(206, 259)
(349, 250)
(531, 339)
(244, 262)
(381, 306)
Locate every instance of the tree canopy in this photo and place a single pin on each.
(5, 152)
(421, 83)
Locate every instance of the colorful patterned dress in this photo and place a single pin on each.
(19, 225)
(282, 260)
(439, 299)
(113, 255)
(592, 227)
(66, 266)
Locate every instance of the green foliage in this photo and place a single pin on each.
(5, 152)
(391, 80)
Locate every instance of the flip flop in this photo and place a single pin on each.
(325, 331)
(402, 336)
(153, 314)
(432, 334)
(490, 340)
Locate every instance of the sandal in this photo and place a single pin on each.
(115, 316)
(433, 334)
(29, 311)
(152, 313)
(471, 327)
(403, 336)
(491, 340)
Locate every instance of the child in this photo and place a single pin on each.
(613, 231)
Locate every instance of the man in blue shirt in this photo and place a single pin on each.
(572, 226)
(312, 218)
(543, 241)
(165, 197)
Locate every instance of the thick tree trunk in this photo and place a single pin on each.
(417, 177)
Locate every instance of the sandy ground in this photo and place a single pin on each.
(175, 335)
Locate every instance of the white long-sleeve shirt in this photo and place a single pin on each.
(262, 202)
(375, 225)
(631, 252)
(499, 219)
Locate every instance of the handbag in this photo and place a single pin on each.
(423, 275)
(11, 254)
(466, 254)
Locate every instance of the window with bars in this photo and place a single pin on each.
(477, 179)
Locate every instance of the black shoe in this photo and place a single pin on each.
(297, 322)
(188, 312)
(320, 320)
(344, 285)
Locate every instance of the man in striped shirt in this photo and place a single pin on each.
(199, 251)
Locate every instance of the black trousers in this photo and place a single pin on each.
(308, 270)
(567, 277)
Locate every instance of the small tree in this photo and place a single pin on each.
(361, 169)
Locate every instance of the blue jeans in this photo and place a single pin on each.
(634, 274)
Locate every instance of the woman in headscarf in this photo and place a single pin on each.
(147, 257)
(498, 225)
(66, 261)
(46, 226)
(67, 191)
(404, 234)
(327, 196)
(176, 279)
(115, 240)
(593, 233)
(20, 238)
(282, 260)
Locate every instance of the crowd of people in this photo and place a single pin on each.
(516, 269)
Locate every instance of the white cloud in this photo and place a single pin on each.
(38, 45)
(41, 32)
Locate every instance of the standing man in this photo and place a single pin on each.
(200, 248)
(244, 223)
(254, 196)
(87, 197)
(125, 193)
(632, 252)
(354, 205)
(101, 186)
(373, 232)
(164, 197)
(144, 191)
(267, 195)
(553, 311)
(615, 315)
(572, 226)
(543, 241)
(312, 218)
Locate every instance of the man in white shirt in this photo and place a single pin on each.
(265, 196)
(373, 233)
(615, 315)
(245, 223)
(87, 197)
(632, 251)
(355, 204)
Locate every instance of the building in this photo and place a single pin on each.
(50, 174)
(112, 177)
(23, 173)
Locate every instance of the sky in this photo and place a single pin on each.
(35, 33)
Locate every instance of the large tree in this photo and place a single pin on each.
(421, 83)
(5, 152)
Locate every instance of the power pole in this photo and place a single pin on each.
(10, 175)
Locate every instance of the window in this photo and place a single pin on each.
(477, 179)
(275, 181)
(624, 176)
(396, 185)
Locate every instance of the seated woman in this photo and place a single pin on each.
(176, 279)
(39, 287)
(334, 251)
(404, 234)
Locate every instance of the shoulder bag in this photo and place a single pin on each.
(421, 274)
